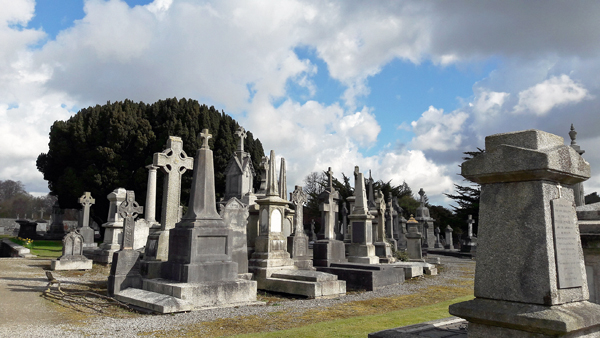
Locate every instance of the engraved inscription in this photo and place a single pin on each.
(358, 232)
(566, 244)
(212, 246)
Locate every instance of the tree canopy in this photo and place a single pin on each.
(102, 148)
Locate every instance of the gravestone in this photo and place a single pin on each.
(448, 238)
(469, 242)
(239, 173)
(113, 230)
(57, 228)
(425, 222)
(125, 268)
(343, 233)
(235, 215)
(391, 223)
(88, 233)
(436, 232)
(297, 243)
(72, 254)
(328, 249)
(536, 285)
(361, 248)
(271, 264)
(173, 162)
(413, 240)
(382, 247)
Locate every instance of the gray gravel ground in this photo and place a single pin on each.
(24, 314)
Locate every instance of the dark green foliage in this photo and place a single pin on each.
(105, 147)
(592, 198)
(467, 199)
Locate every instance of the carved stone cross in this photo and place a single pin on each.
(204, 136)
(129, 210)
(299, 198)
(173, 162)
(470, 222)
(422, 194)
(330, 178)
(86, 200)
(241, 133)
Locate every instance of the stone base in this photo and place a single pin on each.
(151, 269)
(206, 295)
(304, 263)
(411, 270)
(496, 318)
(152, 301)
(71, 264)
(366, 276)
(330, 251)
(99, 255)
(451, 327)
(361, 253)
(383, 250)
(310, 284)
(124, 272)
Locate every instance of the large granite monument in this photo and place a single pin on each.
(530, 279)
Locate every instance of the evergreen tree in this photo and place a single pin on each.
(105, 147)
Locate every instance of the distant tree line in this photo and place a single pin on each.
(15, 201)
(104, 147)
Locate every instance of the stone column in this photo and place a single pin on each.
(151, 194)
(448, 237)
(530, 277)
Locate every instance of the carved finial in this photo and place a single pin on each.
(241, 133)
(573, 135)
(203, 137)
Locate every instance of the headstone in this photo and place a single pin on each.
(536, 285)
(413, 238)
(125, 268)
(297, 243)
(391, 222)
(328, 249)
(72, 255)
(235, 215)
(399, 226)
(173, 162)
(313, 233)
(469, 242)
(382, 247)
(436, 232)
(88, 233)
(343, 232)
(425, 222)
(448, 238)
(361, 248)
(27, 229)
(57, 228)
(113, 229)
(239, 173)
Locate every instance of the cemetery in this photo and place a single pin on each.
(252, 261)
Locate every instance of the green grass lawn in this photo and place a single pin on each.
(42, 248)
(363, 325)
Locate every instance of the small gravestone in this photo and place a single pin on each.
(72, 255)
(469, 242)
(436, 232)
(27, 229)
(448, 238)
(88, 233)
(413, 240)
(235, 215)
(57, 228)
(125, 268)
(530, 277)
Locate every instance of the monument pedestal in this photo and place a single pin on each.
(383, 250)
(496, 318)
(329, 251)
(124, 272)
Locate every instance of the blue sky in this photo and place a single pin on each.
(401, 88)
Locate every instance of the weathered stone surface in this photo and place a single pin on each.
(124, 272)
(451, 327)
(361, 248)
(72, 255)
(368, 277)
(153, 301)
(235, 215)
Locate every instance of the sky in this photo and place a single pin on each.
(401, 88)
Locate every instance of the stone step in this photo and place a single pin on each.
(304, 275)
(153, 301)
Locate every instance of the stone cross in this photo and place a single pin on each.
(129, 210)
(371, 198)
(86, 200)
(173, 162)
(204, 136)
(299, 198)
(313, 235)
(330, 178)
(422, 199)
(470, 222)
(241, 133)
(41, 213)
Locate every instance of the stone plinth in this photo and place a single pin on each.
(72, 257)
(530, 274)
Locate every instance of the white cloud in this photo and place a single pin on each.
(438, 131)
(544, 96)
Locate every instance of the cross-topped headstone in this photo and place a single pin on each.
(470, 222)
(204, 136)
(129, 210)
(173, 162)
(87, 201)
(422, 194)
(299, 198)
(241, 133)
(330, 178)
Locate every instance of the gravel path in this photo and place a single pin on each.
(23, 313)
